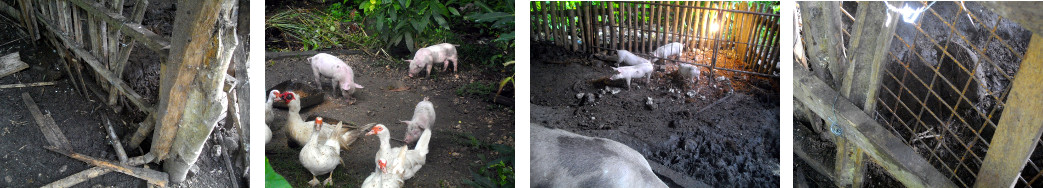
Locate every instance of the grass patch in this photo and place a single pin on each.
(312, 30)
(497, 172)
(476, 89)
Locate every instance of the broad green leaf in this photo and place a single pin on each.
(417, 25)
(409, 41)
(272, 179)
(441, 22)
(454, 11)
(396, 40)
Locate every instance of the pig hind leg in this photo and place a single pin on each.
(429, 69)
(454, 59)
(315, 71)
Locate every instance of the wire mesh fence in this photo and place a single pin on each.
(733, 36)
(944, 87)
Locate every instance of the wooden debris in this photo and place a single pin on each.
(8, 86)
(10, 64)
(47, 126)
(152, 176)
(116, 144)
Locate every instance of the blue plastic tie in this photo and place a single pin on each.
(833, 120)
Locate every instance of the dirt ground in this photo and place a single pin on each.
(724, 134)
(451, 160)
(25, 163)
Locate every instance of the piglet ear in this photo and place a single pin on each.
(358, 86)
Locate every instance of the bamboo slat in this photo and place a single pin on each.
(732, 36)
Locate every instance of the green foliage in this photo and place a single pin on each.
(272, 179)
(476, 89)
(501, 20)
(504, 81)
(315, 30)
(401, 21)
(495, 173)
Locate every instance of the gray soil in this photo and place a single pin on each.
(81, 118)
(451, 160)
(724, 134)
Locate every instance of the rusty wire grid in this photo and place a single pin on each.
(945, 86)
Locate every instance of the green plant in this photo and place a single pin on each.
(475, 88)
(316, 30)
(406, 20)
(495, 173)
(272, 179)
(505, 80)
(502, 21)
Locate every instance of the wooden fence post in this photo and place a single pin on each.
(1020, 125)
(871, 41)
(192, 99)
(822, 31)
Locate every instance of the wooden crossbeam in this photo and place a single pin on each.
(1020, 125)
(150, 39)
(50, 130)
(152, 176)
(887, 150)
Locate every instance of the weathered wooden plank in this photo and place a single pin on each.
(100, 69)
(5, 86)
(46, 124)
(798, 149)
(10, 64)
(1020, 125)
(153, 177)
(144, 130)
(151, 40)
(85, 175)
(824, 44)
(887, 150)
(849, 166)
(124, 52)
(870, 42)
(1026, 13)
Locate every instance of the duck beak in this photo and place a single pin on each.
(372, 131)
(383, 166)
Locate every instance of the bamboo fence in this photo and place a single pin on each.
(732, 36)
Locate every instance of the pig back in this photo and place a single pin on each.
(564, 159)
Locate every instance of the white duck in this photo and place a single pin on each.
(269, 116)
(299, 131)
(413, 159)
(298, 128)
(321, 154)
(380, 178)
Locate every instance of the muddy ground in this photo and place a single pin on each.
(724, 133)
(452, 158)
(81, 117)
